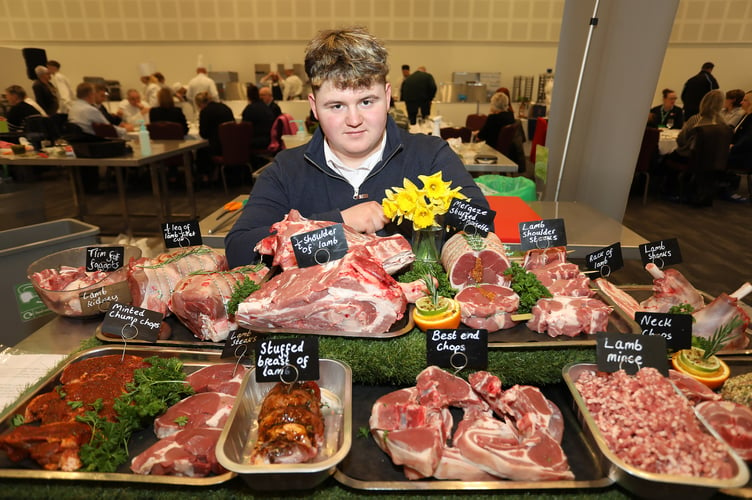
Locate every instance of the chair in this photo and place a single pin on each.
(104, 130)
(235, 139)
(505, 139)
(539, 135)
(38, 128)
(280, 125)
(165, 131)
(475, 122)
(647, 157)
(450, 132)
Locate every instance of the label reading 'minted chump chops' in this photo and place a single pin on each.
(287, 360)
(473, 219)
(181, 234)
(619, 351)
(544, 233)
(131, 322)
(104, 258)
(319, 246)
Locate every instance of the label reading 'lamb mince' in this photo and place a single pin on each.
(541, 234)
(287, 360)
(619, 351)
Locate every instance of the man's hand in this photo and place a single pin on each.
(365, 217)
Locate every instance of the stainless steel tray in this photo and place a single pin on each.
(369, 468)
(27, 469)
(642, 483)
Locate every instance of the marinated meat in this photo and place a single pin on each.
(670, 288)
(290, 425)
(54, 446)
(539, 257)
(200, 300)
(489, 307)
(732, 421)
(222, 377)
(352, 294)
(569, 316)
(721, 311)
(473, 260)
(206, 409)
(113, 366)
(392, 252)
(188, 453)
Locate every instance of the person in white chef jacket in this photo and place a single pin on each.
(61, 83)
(293, 87)
(201, 83)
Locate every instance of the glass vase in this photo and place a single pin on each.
(427, 244)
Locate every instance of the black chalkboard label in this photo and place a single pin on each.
(181, 234)
(457, 349)
(606, 260)
(239, 343)
(470, 218)
(287, 360)
(319, 246)
(662, 253)
(131, 322)
(675, 328)
(544, 233)
(104, 258)
(99, 300)
(624, 351)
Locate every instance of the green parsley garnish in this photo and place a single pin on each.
(242, 290)
(527, 286)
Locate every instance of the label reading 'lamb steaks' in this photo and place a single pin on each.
(470, 218)
(104, 258)
(319, 246)
(181, 234)
(619, 351)
(287, 360)
(239, 343)
(541, 234)
(131, 322)
(458, 348)
(675, 328)
(661, 253)
(606, 260)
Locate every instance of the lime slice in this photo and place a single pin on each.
(427, 308)
(691, 360)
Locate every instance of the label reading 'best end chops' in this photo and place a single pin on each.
(319, 246)
(621, 351)
(470, 218)
(606, 260)
(181, 234)
(661, 253)
(287, 360)
(457, 349)
(544, 233)
(104, 258)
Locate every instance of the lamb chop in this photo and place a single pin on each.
(722, 311)
(670, 288)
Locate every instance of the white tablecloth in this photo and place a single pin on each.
(667, 140)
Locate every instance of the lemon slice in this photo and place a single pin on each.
(427, 308)
(691, 360)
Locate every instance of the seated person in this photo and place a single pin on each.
(100, 97)
(132, 110)
(732, 110)
(211, 115)
(499, 116)
(262, 117)
(20, 109)
(265, 93)
(166, 111)
(84, 113)
(667, 113)
(355, 155)
(740, 154)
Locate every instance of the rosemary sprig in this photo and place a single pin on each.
(245, 269)
(433, 292)
(177, 257)
(719, 339)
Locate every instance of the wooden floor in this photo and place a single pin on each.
(715, 241)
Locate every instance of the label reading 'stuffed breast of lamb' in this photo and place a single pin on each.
(287, 360)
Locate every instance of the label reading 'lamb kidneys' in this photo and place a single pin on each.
(541, 234)
(619, 351)
(470, 218)
(99, 300)
(319, 246)
(675, 328)
(606, 260)
(287, 360)
(181, 234)
(457, 348)
(104, 258)
(661, 253)
(131, 322)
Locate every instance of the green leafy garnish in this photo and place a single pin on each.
(75, 404)
(364, 432)
(181, 421)
(420, 269)
(17, 420)
(527, 286)
(254, 268)
(718, 340)
(242, 290)
(177, 257)
(60, 391)
(681, 309)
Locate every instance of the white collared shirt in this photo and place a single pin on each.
(355, 176)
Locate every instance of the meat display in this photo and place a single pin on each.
(205, 409)
(290, 425)
(200, 300)
(539, 257)
(188, 453)
(59, 288)
(694, 390)
(564, 279)
(488, 306)
(732, 421)
(414, 427)
(473, 260)
(721, 311)
(353, 294)
(622, 299)
(393, 252)
(569, 316)
(670, 288)
(222, 377)
(152, 281)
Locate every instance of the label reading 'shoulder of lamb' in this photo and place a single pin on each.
(131, 322)
(104, 258)
(287, 360)
(319, 246)
(661, 253)
(617, 351)
(181, 234)
(457, 348)
(470, 218)
(541, 234)
(606, 260)
(675, 328)
(239, 343)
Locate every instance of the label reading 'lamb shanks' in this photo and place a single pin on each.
(99, 300)
(544, 233)
(104, 258)
(470, 218)
(606, 260)
(287, 360)
(457, 349)
(131, 322)
(675, 328)
(619, 351)
(181, 234)
(319, 246)
(661, 253)
(239, 344)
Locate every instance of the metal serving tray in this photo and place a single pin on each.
(180, 336)
(369, 468)
(239, 435)
(140, 441)
(641, 483)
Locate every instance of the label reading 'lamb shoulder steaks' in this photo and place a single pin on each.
(457, 348)
(287, 360)
(104, 258)
(131, 322)
(319, 246)
(661, 253)
(470, 218)
(675, 328)
(620, 351)
(181, 234)
(541, 234)
(605, 260)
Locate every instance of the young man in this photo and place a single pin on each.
(354, 156)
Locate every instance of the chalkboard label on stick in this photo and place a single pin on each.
(623, 351)
(99, 300)
(239, 343)
(287, 360)
(181, 234)
(541, 234)
(104, 258)
(319, 246)
(662, 252)
(131, 322)
(457, 349)
(675, 328)
(470, 218)
(606, 260)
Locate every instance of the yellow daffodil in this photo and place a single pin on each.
(434, 186)
(421, 206)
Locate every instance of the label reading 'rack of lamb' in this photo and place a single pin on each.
(181, 234)
(287, 360)
(457, 349)
(544, 233)
(606, 260)
(101, 299)
(468, 217)
(319, 246)
(131, 322)
(675, 328)
(661, 253)
(619, 351)
(239, 343)
(104, 258)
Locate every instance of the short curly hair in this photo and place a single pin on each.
(350, 58)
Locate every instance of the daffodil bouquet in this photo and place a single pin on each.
(421, 206)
